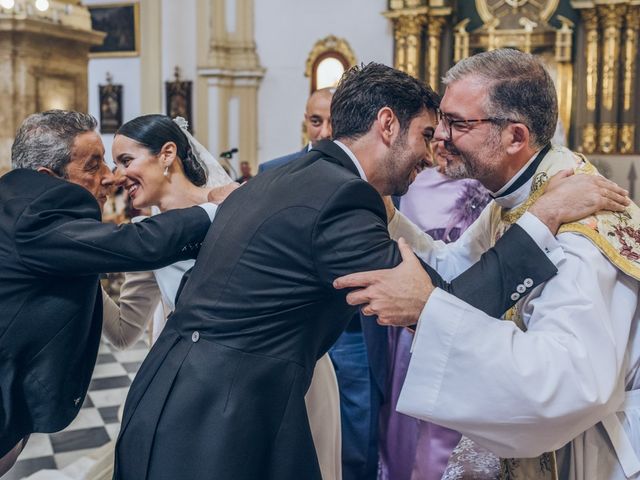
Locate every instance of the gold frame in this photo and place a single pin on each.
(485, 12)
(136, 30)
(330, 43)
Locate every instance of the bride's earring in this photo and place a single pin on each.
(166, 171)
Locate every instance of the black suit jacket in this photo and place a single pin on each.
(276, 162)
(52, 248)
(221, 394)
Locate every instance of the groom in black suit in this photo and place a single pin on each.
(53, 246)
(221, 394)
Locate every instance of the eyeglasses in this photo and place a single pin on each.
(450, 123)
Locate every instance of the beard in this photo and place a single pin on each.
(399, 164)
(478, 164)
(456, 168)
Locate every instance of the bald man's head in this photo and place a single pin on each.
(317, 116)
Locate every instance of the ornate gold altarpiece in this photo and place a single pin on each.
(590, 47)
(43, 63)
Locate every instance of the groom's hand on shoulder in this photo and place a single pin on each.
(218, 195)
(396, 296)
(570, 197)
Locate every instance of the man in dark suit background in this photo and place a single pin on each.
(221, 394)
(53, 246)
(317, 122)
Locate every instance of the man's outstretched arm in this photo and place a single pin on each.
(351, 236)
(568, 197)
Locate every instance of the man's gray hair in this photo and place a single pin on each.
(45, 139)
(519, 88)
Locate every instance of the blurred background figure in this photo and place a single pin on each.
(317, 124)
(245, 172)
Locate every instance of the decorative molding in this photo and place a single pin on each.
(630, 55)
(488, 9)
(589, 135)
(229, 71)
(564, 87)
(59, 14)
(608, 137)
(564, 40)
(434, 33)
(408, 34)
(330, 43)
(461, 41)
(611, 17)
(43, 63)
(627, 137)
(591, 28)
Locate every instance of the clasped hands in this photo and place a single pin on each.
(398, 295)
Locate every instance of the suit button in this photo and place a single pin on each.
(528, 282)
(195, 336)
(521, 288)
(515, 296)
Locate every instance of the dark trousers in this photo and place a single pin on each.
(359, 407)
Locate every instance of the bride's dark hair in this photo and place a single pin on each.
(153, 131)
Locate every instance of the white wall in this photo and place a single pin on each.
(126, 72)
(286, 31)
(179, 43)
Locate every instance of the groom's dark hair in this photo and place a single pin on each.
(364, 90)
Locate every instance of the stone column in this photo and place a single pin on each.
(408, 34)
(434, 32)
(630, 98)
(229, 75)
(461, 41)
(563, 55)
(589, 134)
(611, 17)
(151, 56)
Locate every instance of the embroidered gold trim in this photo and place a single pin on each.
(512, 216)
(605, 247)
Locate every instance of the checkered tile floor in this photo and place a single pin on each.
(97, 422)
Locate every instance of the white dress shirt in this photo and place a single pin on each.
(523, 393)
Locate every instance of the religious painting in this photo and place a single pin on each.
(178, 99)
(110, 107)
(121, 23)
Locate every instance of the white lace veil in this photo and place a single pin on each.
(216, 176)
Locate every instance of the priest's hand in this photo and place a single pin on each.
(218, 195)
(570, 197)
(396, 296)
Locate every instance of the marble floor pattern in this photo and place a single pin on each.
(97, 422)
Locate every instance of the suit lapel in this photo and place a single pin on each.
(334, 154)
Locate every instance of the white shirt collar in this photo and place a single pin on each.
(353, 159)
(518, 196)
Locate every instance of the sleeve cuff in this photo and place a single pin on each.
(432, 342)
(540, 234)
(210, 208)
(139, 218)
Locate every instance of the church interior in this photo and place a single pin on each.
(240, 72)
